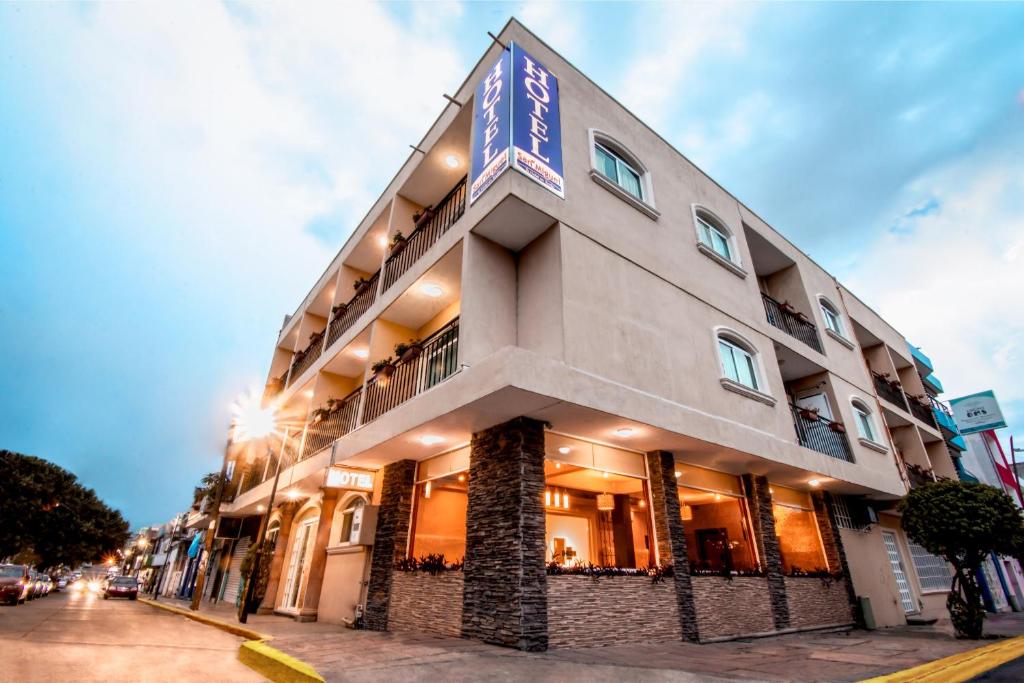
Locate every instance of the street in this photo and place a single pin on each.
(82, 637)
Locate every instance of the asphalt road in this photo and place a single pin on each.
(1011, 672)
(81, 637)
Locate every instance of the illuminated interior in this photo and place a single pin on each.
(439, 518)
(797, 530)
(595, 517)
(718, 533)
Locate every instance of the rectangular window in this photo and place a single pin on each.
(796, 526)
(842, 513)
(831, 320)
(737, 364)
(932, 571)
(606, 163)
(439, 517)
(629, 180)
(595, 517)
(718, 534)
(714, 238)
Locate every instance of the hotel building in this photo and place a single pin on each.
(607, 361)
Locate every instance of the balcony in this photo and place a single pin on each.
(891, 392)
(922, 412)
(331, 424)
(343, 318)
(818, 434)
(305, 358)
(275, 386)
(437, 362)
(945, 420)
(919, 476)
(784, 318)
(435, 222)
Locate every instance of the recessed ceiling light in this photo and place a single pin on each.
(292, 495)
(260, 508)
(452, 161)
(678, 474)
(814, 482)
(361, 353)
(308, 393)
(431, 290)
(604, 474)
(382, 240)
(624, 431)
(564, 449)
(431, 439)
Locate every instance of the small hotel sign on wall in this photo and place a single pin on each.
(516, 123)
(347, 478)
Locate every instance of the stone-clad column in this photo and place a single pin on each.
(284, 531)
(390, 540)
(759, 501)
(833, 542)
(318, 562)
(671, 535)
(505, 594)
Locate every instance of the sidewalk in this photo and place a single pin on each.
(341, 654)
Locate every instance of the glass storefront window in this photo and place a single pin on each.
(596, 517)
(797, 530)
(718, 534)
(439, 517)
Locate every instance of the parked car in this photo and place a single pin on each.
(14, 583)
(122, 587)
(62, 583)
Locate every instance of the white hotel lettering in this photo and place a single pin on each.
(492, 95)
(536, 83)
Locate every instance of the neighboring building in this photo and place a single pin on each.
(623, 366)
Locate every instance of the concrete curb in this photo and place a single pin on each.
(255, 653)
(959, 667)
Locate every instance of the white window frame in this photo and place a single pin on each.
(733, 339)
(645, 202)
(933, 574)
(829, 311)
(350, 505)
(859, 407)
(703, 216)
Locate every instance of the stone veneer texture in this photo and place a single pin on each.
(426, 603)
(611, 610)
(390, 540)
(818, 602)
(505, 595)
(671, 536)
(738, 607)
(759, 502)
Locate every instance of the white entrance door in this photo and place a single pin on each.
(298, 563)
(893, 551)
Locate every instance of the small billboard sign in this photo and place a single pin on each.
(977, 412)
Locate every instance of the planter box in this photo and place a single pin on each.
(426, 603)
(817, 602)
(726, 608)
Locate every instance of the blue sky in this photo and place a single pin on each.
(174, 177)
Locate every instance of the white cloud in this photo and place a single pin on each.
(559, 24)
(673, 38)
(953, 282)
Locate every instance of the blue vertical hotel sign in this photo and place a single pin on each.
(516, 124)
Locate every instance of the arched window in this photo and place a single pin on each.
(738, 362)
(351, 521)
(713, 234)
(833, 320)
(865, 422)
(618, 170)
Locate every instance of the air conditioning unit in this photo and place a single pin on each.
(366, 519)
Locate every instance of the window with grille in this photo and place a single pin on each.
(844, 520)
(932, 571)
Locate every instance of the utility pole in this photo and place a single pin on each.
(254, 570)
(197, 593)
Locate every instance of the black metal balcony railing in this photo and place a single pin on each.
(356, 307)
(921, 412)
(321, 434)
(918, 476)
(790, 323)
(437, 362)
(821, 435)
(306, 357)
(889, 392)
(446, 213)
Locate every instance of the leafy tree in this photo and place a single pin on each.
(963, 522)
(50, 518)
(207, 487)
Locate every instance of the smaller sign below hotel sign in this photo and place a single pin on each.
(348, 478)
(977, 412)
(516, 123)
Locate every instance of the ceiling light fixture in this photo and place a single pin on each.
(382, 240)
(624, 431)
(452, 161)
(431, 290)
(678, 474)
(564, 450)
(815, 483)
(431, 440)
(361, 353)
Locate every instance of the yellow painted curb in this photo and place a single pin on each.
(959, 667)
(255, 653)
(276, 665)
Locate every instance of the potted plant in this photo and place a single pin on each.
(837, 427)
(421, 218)
(802, 317)
(787, 307)
(384, 368)
(398, 243)
(338, 311)
(409, 352)
(361, 285)
(809, 413)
